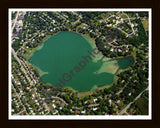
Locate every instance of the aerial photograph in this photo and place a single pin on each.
(79, 62)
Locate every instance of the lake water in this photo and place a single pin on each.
(65, 60)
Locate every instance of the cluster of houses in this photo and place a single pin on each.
(19, 24)
(118, 22)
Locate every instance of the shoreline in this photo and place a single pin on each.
(86, 36)
(34, 49)
(28, 55)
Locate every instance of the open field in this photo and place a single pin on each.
(142, 105)
(145, 24)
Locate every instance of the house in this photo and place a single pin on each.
(95, 100)
(135, 81)
(20, 23)
(109, 25)
(117, 22)
(131, 110)
(110, 95)
(119, 50)
(132, 25)
(117, 17)
(94, 109)
(133, 90)
(115, 106)
(90, 101)
(105, 97)
(110, 101)
(130, 94)
(42, 34)
(53, 106)
(86, 102)
(123, 81)
(78, 112)
(83, 111)
(62, 104)
(118, 101)
(15, 35)
(71, 110)
(111, 49)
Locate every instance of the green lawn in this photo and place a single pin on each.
(124, 16)
(142, 105)
(145, 24)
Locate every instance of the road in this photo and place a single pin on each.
(27, 41)
(93, 105)
(60, 99)
(15, 21)
(21, 64)
(129, 23)
(124, 110)
(14, 53)
(44, 103)
(20, 101)
(121, 29)
(19, 61)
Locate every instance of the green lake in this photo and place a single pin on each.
(67, 59)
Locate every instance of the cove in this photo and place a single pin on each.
(62, 52)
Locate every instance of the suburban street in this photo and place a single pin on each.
(116, 34)
(19, 61)
(125, 109)
(15, 20)
(19, 99)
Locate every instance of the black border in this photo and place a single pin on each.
(153, 4)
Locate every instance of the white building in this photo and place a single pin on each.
(83, 111)
(94, 109)
(53, 106)
(95, 100)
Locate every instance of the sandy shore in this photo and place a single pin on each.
(105, 67)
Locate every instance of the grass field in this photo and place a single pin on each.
(145, 24)
(142, 105)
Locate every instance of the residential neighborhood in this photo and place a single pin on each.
(115, 33)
